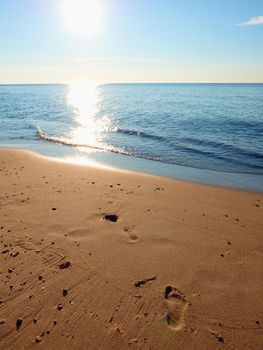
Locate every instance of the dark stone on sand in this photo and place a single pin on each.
(64, 265)
(60, 307)
(257, 322)
(19, 322)
(111, 217)
(54, 208)
(65, 292)
(10, 270)
(40, 278)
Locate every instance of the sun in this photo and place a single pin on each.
(83, 17)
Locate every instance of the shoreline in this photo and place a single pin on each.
(108, 160)
(111, 259)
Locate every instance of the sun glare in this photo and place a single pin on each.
(90, 129)
(83, 17)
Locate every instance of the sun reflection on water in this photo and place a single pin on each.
(90, 129)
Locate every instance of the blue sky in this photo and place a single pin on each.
(140, 41)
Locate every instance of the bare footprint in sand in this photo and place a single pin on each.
(176, 307)
(133, 238)
(79, 233)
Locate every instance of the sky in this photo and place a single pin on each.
(65, 41)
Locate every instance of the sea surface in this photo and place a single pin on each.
(211, 127)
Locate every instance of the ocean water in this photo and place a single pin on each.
(212, 127)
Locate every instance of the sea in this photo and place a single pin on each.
(208, 133)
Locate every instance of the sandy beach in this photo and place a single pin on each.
(96, 258)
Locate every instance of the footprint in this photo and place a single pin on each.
(79, 233)
(132, 236)
(176, 307)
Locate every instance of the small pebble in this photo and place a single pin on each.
(65, 265)
(111, 217)
(38, 339)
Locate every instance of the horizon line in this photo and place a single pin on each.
(130, 83)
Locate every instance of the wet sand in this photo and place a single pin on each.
(93, 258)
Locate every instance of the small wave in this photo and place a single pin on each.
(139, 133)
(64, 142)
(122, 151)
(194, 141)
(224, 146)
(112, 149)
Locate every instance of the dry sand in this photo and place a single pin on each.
(181, 268)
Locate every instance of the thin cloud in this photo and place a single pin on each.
(254, 21)
(119, 59)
